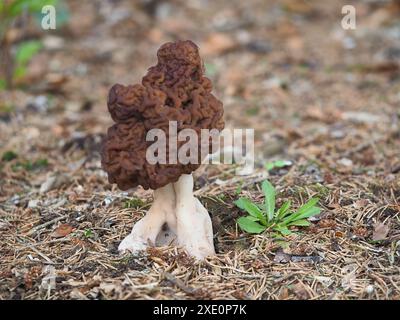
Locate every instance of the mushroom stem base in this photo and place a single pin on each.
(175, 217)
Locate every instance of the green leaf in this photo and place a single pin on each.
(18, 6)
(283, 210)
(88, 233)
(134, 203)
(305, 211)
(26, 50)
(295, 216)
(309, 213)
(238, 189)
(277, 164)
(283, 244)
(253, 218)
(19, 72)
(251, 208)
(269, 166)
(269, 192)
(3, 84)
(24, 54)
(250, 226)
(309, 204)
(283, 230)
(300, 223)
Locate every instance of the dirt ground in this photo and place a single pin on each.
(324, 98)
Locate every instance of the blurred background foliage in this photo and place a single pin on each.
(17, 49)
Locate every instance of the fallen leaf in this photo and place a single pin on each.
(284, 294)
(362, 203)
(380, 231)
(327, 224)
(62, 230)
(301, 291)
(386, 66)
(349, 273)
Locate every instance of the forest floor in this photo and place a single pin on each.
(323, 98)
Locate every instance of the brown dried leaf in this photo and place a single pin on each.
(62, 231)
(301, 291)
(380, 231)
(327, 224)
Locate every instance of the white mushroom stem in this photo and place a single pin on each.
(175, 206)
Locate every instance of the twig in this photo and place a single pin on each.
(37, 228)
(40, 254)
(179, 283)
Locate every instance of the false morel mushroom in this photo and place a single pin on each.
(175, 90)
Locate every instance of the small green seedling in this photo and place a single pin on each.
(133, 203)
(88, 233)
(239, 188)
(267, 217)
(277, 164)
(28, 165)
(9, 155)
(253, 111)
(25, 51)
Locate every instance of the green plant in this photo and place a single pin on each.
(133, 203)
(29, 165)
(6, 108)
(88, 233)
(11, 11)
(239, 188)
(253, 111)
(277, 164)
(25, 51)
(267, 217)
(9, 155)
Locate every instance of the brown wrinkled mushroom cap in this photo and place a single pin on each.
(173, 90)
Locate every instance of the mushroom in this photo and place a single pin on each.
(173, 90)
